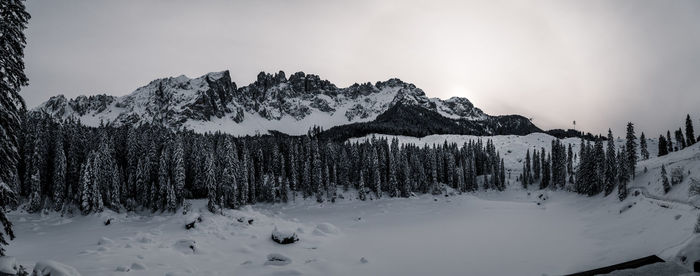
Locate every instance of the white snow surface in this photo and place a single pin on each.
(53, 268)
(489, 233)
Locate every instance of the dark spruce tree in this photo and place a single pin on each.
(610, 165)
(689, 132)
(680, 139)
(664, 179)
(663, 146)
(13, 22)
(631, 150)
(643, 150)
(622, 173)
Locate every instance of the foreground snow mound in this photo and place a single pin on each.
(186, 246)
(53, 268)
(277, 259)
(325, 228)
(284, 236)
(8, 265)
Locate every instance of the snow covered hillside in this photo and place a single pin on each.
(684, 163)
(273, 102)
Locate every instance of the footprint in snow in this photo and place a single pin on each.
(138, 266)
(105, 241)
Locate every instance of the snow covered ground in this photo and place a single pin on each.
(505, 233)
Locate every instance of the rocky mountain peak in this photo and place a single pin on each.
(272, 102)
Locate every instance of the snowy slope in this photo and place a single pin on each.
(686, 161)
(491, 233)
(273, 102)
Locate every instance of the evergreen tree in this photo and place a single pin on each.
(680, 139)
(558, 164)
(611, 165)
(669, 142)
(631, 149)
(393, 185)
(256, 183)
(179, 168)
(159, 197)
(523, 176)
(689, 132)
(90, 194)
(623, 173)
(306, 177)
(284, 183)
(13, 22)
(326, 181)
(376, 180)
(535, 165)
(600, 168)
(170, 199)
(527, 174)
(294, 174)
(142, 180)
(85, 183)
(35, 180)
(460, 179)
(663, 146)
(432, 181)
(502, 171)
(210, 182)
(317, 172)
(583, 176)
(361, 186)
(244, 178)
(407, 186)
(546, 174)
(570, 162)
(59, 175)
(643, 147)
(115, 189)
(229, 179)
(664, 178)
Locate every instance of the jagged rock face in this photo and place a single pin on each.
(272, 102)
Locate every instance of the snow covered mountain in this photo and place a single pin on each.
(274, 102)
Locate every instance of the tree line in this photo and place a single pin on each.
(666, 144)
(67, 166)
(597, 168)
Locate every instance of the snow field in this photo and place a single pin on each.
(489, 233)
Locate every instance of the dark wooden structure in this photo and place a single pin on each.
(626, 265)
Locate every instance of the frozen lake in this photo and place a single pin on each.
(504, 233)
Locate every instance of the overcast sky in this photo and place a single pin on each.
(601, 63)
